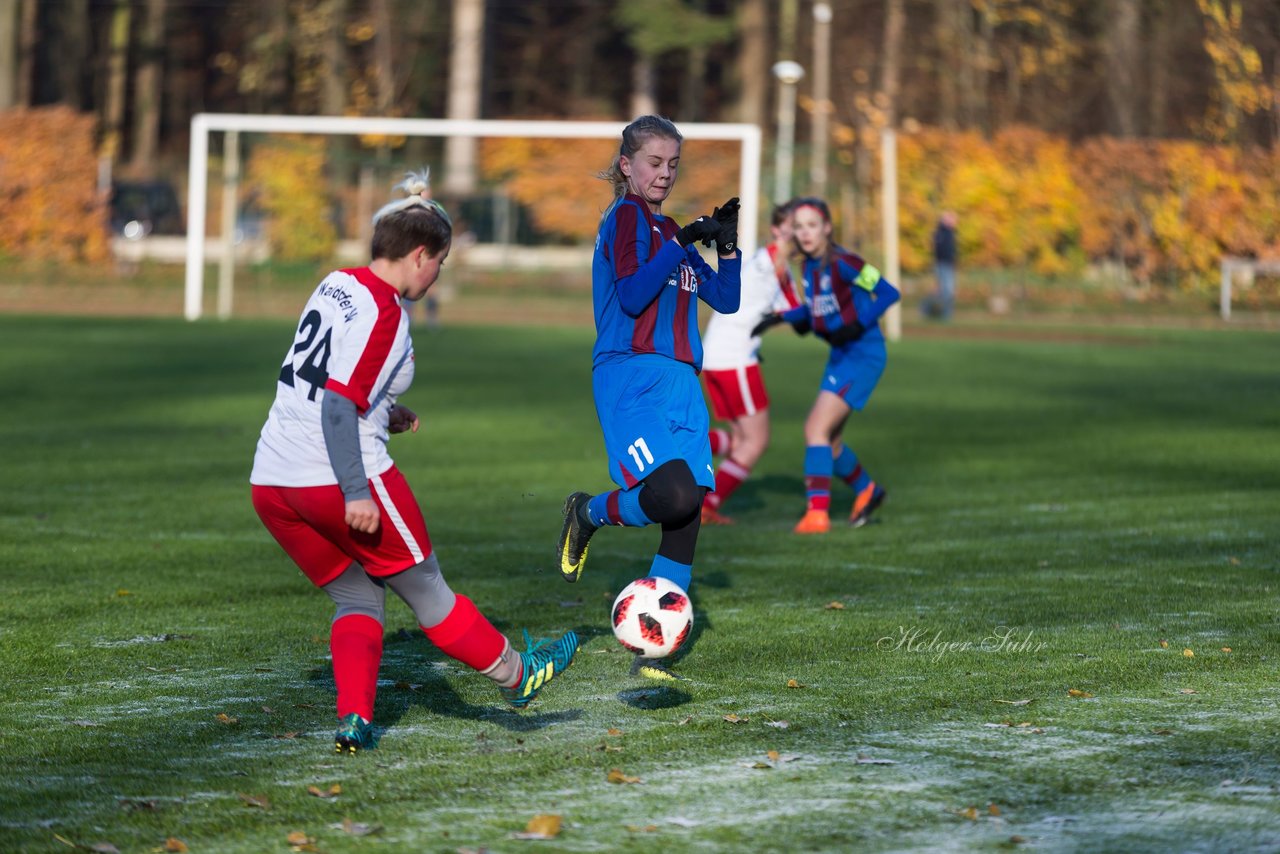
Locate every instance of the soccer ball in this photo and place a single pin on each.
(652, 617)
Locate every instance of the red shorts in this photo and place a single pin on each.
(736, 392)
(309, 523)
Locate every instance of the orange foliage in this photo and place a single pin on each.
(1029, 199)
(556, 179)
(50, 207)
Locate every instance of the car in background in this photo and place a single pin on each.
(142, 208)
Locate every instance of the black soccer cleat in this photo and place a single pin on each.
(574, 537)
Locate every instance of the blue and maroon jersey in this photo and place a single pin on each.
(838, 291)
(646, 286)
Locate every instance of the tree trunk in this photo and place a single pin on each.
(73, 52)
(9, 16)
(895, 22)
(27, 54)
(643, 101)
(333, 85)
(464, 93)
(117, 80)
(146, 98)
(753, 62)
(1123, 54)
(1158, 77)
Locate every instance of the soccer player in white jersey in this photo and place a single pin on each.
(731, 364)
(327, 490)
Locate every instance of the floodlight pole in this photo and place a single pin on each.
(889, 216)
(789, 74)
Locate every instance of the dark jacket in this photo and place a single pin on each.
(944, 244)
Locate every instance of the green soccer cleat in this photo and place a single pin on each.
(574, 537)
(656, 669)
(354, 734)
(540, 663)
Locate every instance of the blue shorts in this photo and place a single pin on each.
(652, 411)
(852, 374)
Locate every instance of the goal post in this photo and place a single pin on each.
(205, 124)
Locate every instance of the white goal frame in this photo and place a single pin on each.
(203, 124)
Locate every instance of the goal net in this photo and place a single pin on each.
(220, 249)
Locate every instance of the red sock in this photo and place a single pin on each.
(719, 442)
(729, 476)
(467, 636)
(355, 642)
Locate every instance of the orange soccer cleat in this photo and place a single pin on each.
(711, 516)
(865, 504)
(814, 522)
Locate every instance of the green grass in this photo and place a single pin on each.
(1098, 496)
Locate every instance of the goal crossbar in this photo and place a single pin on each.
(203, 124)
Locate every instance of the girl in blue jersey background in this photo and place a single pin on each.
(647, 277)
(844, 297)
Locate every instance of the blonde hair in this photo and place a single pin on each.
(401, 226)
(634, 136)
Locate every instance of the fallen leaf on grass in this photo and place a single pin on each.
(993, 809)
(684, 721)
(791, 683)
(259, 801)
(778, 724)
(267, 710)
(131, 805)
(636, 828)
(292, 734)
(1164, 644)
(1017, 840)
(541, 827)
(224, 718)
(681, 821)
(613, 731)
(773, 755)
(616, 776)
(1188, 691)
(734, 719)
(123, 593)
(971, 813)
(1186, 653)
(299, 841)
(100, 847)
(757, 765)
(1226, 649)
(833, 606)
(1076, 692)
(332, 792)
(174, 845)
(1015, 702)
(871, 760)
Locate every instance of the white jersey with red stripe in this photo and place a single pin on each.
(727, 342)
(353, 339)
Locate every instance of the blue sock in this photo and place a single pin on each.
(620, 507)
(848, 469)
(665, 567)
(817, 476)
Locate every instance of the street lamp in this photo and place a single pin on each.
(789, 74)
(821, 97)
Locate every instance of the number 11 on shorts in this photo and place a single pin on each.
(638, 447)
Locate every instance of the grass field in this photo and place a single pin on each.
(1062, 634)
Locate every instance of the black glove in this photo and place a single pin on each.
(727, 216)
(802, 326)
(851, 331)
(770, 320)
(703, 228)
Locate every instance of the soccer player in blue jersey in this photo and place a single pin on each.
(844, 298)
(647, 277)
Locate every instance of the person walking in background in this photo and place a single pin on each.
(325, 487)
(731, 364)
(647, 277)
(943, 301)
(845, 297)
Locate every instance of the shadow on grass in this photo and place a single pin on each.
(654, 698)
